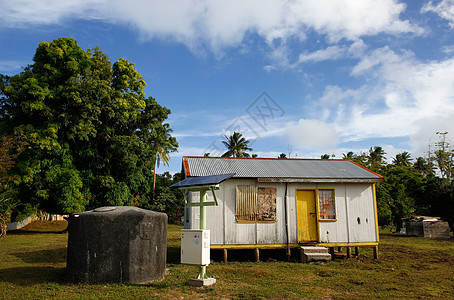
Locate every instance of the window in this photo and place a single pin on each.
(255, 204)
(326, 204)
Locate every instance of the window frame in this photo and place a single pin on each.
(334, 203)
(254, 210)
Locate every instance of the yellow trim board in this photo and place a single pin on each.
(376, 212)
(361, 244)
(284, 246)
(253, 246)
(256, 221)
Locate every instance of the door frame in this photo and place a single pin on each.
(317, 221)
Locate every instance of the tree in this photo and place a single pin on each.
(236, 145)
(325, 156)
(167, 200)
(357, 158)
(350, 155)
(376, 158)
(424, 167)
(162, 154)
(402, 159)
(398, 195)
(439, 199)
(444, 157)
(282, 155)
(9, 150)
(441, 190)
(92, 133)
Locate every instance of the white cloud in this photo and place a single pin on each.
(11, 67)
(279, 55)
(220, 24)
(312, 134)
(23, 13)
(402, 97)
(330, 53)
(445, 9)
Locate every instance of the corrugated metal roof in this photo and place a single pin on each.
(272, 168)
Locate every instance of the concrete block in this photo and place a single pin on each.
(316, 257)
(308, 249)
(117, 244)
(201, 282)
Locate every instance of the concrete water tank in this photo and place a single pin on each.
(117, 244)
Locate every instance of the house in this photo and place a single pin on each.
(285, 203)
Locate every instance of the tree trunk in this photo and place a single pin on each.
(399, 225)
(154, 182)
(2, 226)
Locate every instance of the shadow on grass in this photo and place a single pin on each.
(173, 255)
(33, 232)
(248, 255)
(27, 276)
(42, 256)
(404, 236)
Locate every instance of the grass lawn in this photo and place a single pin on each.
(33, 260)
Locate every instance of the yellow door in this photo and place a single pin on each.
(306, 215)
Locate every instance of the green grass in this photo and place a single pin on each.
(33, 260)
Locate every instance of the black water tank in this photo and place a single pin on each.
(117, 244)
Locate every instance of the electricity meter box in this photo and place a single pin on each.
(195, 247)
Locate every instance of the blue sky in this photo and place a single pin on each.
(303, 78)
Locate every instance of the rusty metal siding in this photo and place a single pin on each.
(237, 233)
(246, 208)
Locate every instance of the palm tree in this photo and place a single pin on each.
(402, 159)
(350, 155)
(163, 145)
(162, 154)
(236, 145)
(424, 166)
(376, 157)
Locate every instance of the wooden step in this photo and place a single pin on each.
(312, 249)
(312, 254)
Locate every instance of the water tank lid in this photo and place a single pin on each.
(104, 208)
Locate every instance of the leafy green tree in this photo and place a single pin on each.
(92, 133)
(398, 195)
(282, 155)
(236, 145)
(170, 201)
(325, 156)
(439, 199)
(9, 150)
